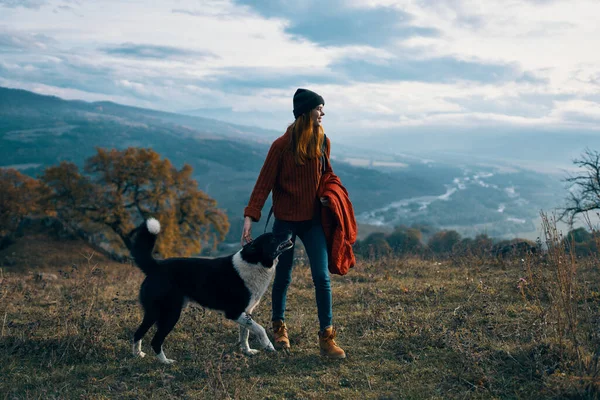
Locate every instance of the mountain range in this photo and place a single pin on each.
(387, 188)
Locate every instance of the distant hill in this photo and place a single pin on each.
(37, 131)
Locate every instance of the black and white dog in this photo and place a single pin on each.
(233, 284)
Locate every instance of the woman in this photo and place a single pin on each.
(292, 170)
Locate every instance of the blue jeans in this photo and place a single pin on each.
(313, 238)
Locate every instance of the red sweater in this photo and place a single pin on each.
(294, 186)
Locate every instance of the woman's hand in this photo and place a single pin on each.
(247, 231)
(324, 201)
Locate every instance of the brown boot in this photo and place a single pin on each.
(328, 346)
(280, 335)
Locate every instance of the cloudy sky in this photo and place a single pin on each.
(379, 64)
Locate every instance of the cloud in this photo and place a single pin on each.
(11, 41)
(78, 72)
(136, 87)
(250, 80)
(374, 27)
(16, 67)
(147, 51)
(577, 111)
(337, 24)
(23, 3)
(519, 104)
(443, 69)
(220, 9)
(67, 8)
(532, 34)
(69, 93)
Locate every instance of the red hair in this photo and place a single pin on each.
(306, 143)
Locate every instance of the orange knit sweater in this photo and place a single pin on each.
(294, 186)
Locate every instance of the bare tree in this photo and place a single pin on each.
(584, 187)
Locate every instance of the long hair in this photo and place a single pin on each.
(306, 143)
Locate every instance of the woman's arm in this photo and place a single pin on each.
(264, 183)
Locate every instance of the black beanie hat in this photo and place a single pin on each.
(305, 100)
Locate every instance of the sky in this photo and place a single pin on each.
(381, 65)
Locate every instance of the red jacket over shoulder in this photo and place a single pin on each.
(338, 223)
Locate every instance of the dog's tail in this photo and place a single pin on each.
(141, 249)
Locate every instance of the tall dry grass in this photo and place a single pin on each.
(563, 291)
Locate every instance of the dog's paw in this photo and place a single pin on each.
(139, 354)
(250, 352)
(269, 347)
(163, 359)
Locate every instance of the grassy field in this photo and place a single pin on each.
(465, 328)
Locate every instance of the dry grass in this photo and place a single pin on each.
(413, 329)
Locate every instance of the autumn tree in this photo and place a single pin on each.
(516, 247)
(443, 241)
(20, 197)
(121, 188)
(373, 246)
(405, 240)
(479, 246)
(584, 187)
